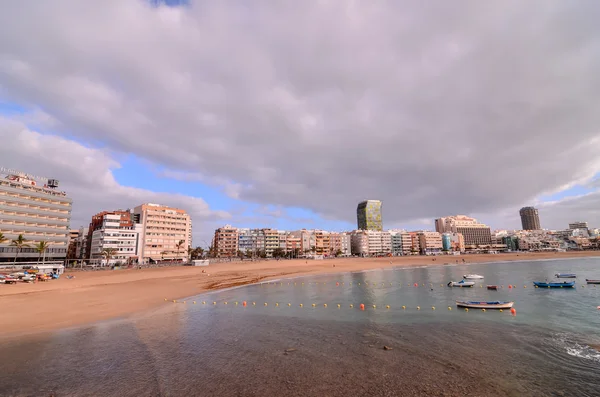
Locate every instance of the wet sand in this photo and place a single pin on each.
(102, 295)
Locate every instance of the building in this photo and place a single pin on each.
(578, 225)
(72, 244)
(165, 232)
(33, 207)
(226, 244)
(251, 242)
(430, 242)
(122, 241)
(125, 220)
(474, 233)
(371, 243)
(81, 244)
(322, 243)
(368, 214)
(530, 219)
(396, 239)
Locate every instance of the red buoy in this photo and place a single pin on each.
(362, 306)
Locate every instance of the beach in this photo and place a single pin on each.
(93, 296)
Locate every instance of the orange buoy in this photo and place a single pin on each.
(337, 284)
(513, 311)
(244, 303)
(509, 286)
(362, 306)
(416, 285)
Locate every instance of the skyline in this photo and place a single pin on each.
(273, 140)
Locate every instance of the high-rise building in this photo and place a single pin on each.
(225, 242)
(35, 211)
(430, 242)
(163, 228)
(474, 233)
(368, 214)
(530, 219)
(371, 242)
(98, 220)
(578, 225)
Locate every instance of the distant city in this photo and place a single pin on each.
(453, 235)
(35, 218)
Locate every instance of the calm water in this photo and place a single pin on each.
(183, 349)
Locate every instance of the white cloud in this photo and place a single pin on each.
(433, 107)
(86, 175)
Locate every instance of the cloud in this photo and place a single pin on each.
(433, 107)
(86, 175)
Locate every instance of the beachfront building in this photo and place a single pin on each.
(33, 207)
(453, 242)
(430, 243)
(72, 244)
(251, 242)
(371, 243)
(81, 243)
(368, 214)
(225, 242)
(578, 225)
(341, 244)
(322, 243)
(163, 228)
(530, 219)
(475, 234)
(125, 220)
(293, 245)
(115, 243)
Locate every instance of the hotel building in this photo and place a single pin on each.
(163, 228)
(38, 211)
(474, 233)
(368, 214)
(430, 242)
(225, 242)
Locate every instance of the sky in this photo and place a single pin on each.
(287, 114)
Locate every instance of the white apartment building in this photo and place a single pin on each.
(37, 211)
(124, 241)
(163, 228)
(430, 242)
(371, 242)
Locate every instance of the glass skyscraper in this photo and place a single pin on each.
(368, 215)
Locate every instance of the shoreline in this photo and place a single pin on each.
(104, 295)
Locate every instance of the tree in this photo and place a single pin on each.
(20, 242)
(41, 248)
(3, 239)
(190, 251)
(179, 246)
(162, 254)
(108, 254)
(278, 253)
(338, 253)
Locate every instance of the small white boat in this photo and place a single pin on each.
(461, 283)
(485, 305)
(472, 277)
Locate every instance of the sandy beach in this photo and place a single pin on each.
(102, 295)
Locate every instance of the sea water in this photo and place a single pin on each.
(290, 337)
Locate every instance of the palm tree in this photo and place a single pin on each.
(3, 239)
(179, 246)
(19, 243)
(108, 253)
(41, 248)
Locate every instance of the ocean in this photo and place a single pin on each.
(292, 339)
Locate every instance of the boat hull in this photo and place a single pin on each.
(592, 281)
(492, 287)
(472, 277)
(565, 275)
(485, 305)
(554, 285)
(466, 284)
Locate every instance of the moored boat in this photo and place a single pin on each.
(461, 283)
(472, 277)
(485, 305)
(592, 281)
(564, 284)
(565, 275)
(493, 287)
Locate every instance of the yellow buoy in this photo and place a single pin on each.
(466, 309)
(214, 303)
(501, 310)
(374, 306)
(403, 307)
(236, 303)
(289, 304)
(432, 307)
(339, 306)
(387, 306)
(314, 305)
(225, 302)
(324, 304)
(301, 305)
(265, 303)
(482, 310)
(351, 305)
(253, 303)
(418, 307)
(276, 303)
(449, 308)
(204, 302)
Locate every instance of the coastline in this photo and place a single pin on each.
(105, 295)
